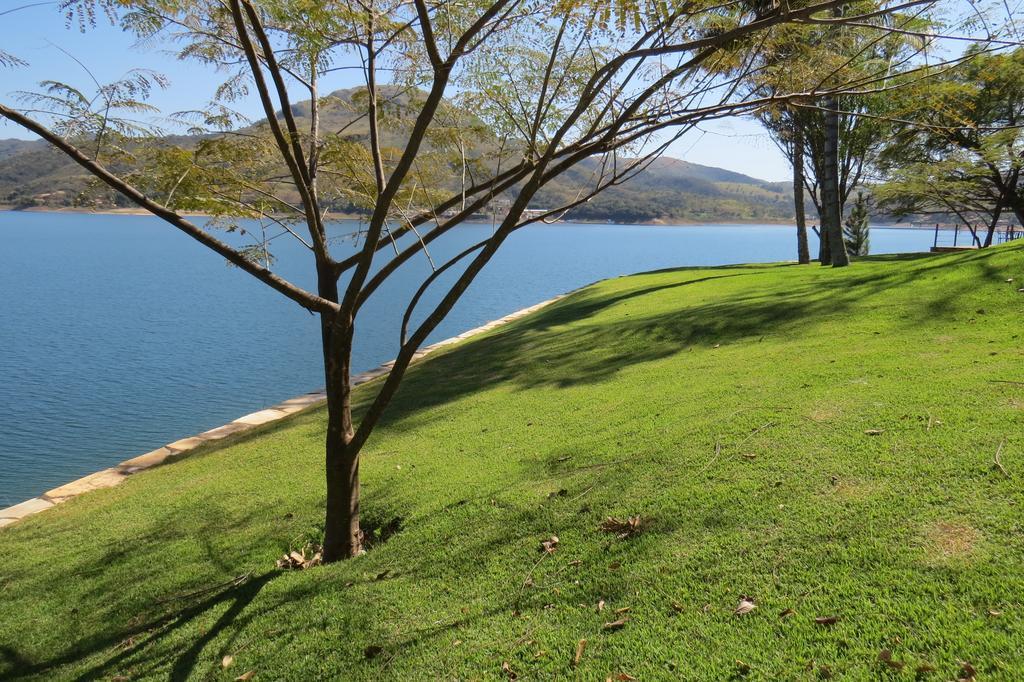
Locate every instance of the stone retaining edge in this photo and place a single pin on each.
(179, 449)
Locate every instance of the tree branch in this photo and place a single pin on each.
(304, 298)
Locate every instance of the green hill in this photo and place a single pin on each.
(31, 174)
(675, 190)
(820, 441)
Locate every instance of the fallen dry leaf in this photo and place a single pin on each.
(622, 677)
(787, 613)
(600, 605)
(616, 624)
(624, 609)
(677, 607)
(994, 613)
(874, 432)
(550, 545)
(967, 672)
(750, 455)
(507, 669)
(622, 528)
(579, 652)
(227, 662)
(924, 669)
(746, 605)
(885, 656)
(741, 667)
(245, 677)
(310, 555)
(615, 565)
(826, 620)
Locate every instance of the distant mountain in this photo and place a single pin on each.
(670, 190)
(11, 147)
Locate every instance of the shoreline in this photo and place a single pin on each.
(653, 223)
(183, 447)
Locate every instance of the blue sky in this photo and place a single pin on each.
(34, 34)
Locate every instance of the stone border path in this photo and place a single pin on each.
(179, 449)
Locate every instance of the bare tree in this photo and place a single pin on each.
(463, 103)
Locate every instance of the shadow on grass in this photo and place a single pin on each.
(183, 634)
(582, 353)
(238, 594)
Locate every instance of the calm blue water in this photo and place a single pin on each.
(119, 334)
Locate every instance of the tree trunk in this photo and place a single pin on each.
(342, 537)
(830, 202)
(802, 252)
(1017, 206)
(992, 226)
(816, 158)
(824, 252)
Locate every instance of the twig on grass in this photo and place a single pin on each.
(526, 636)
(1006, 381)
(756, 431)
(599, 465)
(234, 582)
(582, 493)
(998, 462)
(529, 574)
(718, 451)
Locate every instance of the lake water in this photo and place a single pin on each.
(119, 334)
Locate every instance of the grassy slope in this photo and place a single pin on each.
(618, 396)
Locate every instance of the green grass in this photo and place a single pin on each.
(727, 407)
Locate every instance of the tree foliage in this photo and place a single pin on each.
(856, 231)
(963, 151)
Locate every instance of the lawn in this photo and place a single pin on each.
(819, 441)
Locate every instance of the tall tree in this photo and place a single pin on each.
(831, 197)
(836, 139)
(463, 103)
(799, 203)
